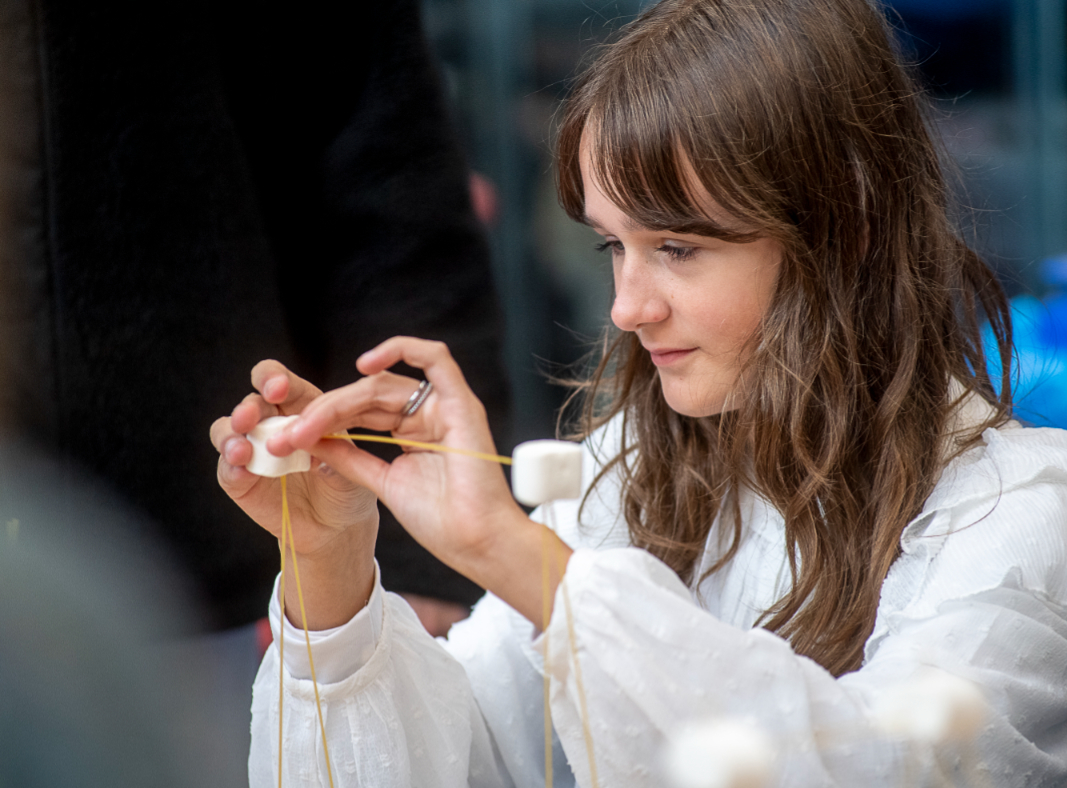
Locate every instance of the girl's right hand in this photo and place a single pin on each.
(322, 503)
(334, 521)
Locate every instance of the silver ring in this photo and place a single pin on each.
(418, 396)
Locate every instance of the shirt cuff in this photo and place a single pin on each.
(339, 652)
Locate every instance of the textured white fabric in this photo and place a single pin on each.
(338, 652)
(980, 590)
(404, 718)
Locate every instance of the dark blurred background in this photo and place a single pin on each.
(995, 68)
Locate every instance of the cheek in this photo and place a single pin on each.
(728, 317)
(749, 298)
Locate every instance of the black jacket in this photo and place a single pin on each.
(188, 188)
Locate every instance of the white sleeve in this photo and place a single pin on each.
(398, 704)
(398, 710)
(495, 647)
(989, 606)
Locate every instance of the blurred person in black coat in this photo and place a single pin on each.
(193, 187)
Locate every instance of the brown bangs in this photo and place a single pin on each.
(644, 122)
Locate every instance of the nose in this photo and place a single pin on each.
(639, 299)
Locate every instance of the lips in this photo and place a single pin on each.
(663, 357)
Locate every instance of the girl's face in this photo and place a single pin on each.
(694, 302)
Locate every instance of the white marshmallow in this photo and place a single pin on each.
(263, 463)
(933, 707)
(719, 753)
(543, 471)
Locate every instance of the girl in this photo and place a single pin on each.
(804, 484)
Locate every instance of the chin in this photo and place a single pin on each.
(696, 401)
(701, 394)
(688, 406)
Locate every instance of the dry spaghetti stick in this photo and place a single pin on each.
(586, 730)
(421, 445)
(546, 614)
(288, 525)
(281, 639)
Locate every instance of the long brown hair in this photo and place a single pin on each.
(797, 118)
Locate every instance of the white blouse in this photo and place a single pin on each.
(979, 591)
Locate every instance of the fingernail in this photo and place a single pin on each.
(227, 449)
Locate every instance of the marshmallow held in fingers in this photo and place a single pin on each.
(719, 753)
(263, 463)
(933, 707)
(543, 471)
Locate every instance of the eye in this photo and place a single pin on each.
(678, 252)
(614, 246)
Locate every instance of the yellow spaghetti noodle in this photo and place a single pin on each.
(287, 533)
(422, 445)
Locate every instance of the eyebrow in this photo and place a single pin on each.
(628, 223)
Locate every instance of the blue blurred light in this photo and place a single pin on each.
(1039, 376)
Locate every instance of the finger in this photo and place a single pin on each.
(219, 432)
(233, 447)
(252, 410)
(235, 480)
(452, 393)
(284, 443)
(234, 453)
(374, 402)
(431, 357)
(290, 392)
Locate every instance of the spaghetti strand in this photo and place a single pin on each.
(307, 638)
(546, 614)
(439, 447)
(583, 709)
(281, 639)
(287, 535)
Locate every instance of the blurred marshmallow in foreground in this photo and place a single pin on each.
(934, 707)
(719, 753)
(263, 463)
